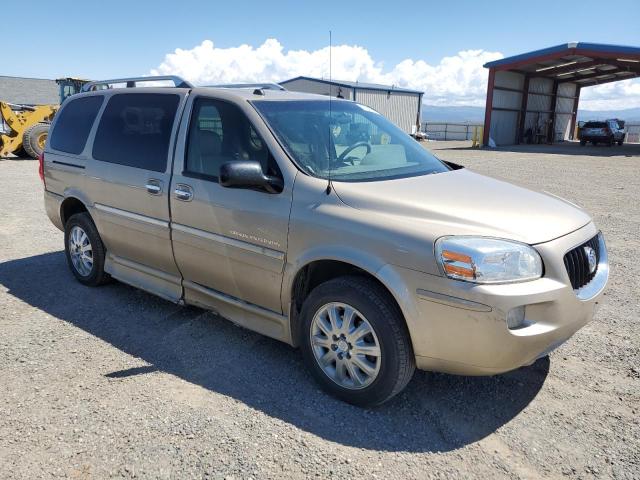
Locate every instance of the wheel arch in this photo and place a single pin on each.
(70, 206)
(315, 270)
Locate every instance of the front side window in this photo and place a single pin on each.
(219, 133)
(346, 141)
(135, 130)
(74, 123)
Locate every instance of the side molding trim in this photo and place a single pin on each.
(452, 301)
(229, 241)
(131, 216)
(236, 302)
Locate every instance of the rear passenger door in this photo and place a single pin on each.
(128, 182)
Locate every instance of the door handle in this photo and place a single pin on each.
(183, 192)
(153, 187)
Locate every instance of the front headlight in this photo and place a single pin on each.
(487, 260)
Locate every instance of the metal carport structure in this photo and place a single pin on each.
(538, 92)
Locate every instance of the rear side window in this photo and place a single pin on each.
(74, 123)
(135, 130)
(595, 125)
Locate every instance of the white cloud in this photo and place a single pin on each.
(456, 80)
(611, 96)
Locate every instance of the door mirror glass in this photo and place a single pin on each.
(248, 174)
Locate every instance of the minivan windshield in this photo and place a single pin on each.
(346, 141)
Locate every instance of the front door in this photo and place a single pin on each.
(229, 243)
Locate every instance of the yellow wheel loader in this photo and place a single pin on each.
(24, 128)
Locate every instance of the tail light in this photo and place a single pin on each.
(41, 167)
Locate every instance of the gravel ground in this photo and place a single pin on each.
(113, 382)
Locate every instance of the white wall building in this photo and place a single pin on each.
(400, 105)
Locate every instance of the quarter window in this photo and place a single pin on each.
(74, 123)
(135, 130)
(221, 133)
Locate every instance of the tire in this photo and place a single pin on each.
(34, 138)
(76, 226)
(594, 142)
(394, 365)
(611, 142)
(583, 142)
(620, 142)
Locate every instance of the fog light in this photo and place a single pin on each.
(515, 318)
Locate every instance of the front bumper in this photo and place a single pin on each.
(460, 327)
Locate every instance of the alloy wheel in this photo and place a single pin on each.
(345, 345)
(81, 251)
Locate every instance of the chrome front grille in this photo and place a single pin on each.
(576, 262)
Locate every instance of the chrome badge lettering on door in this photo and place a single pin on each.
(252, 238)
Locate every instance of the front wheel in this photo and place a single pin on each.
(620, 142)
(355, 342)
(35, 138)
(84, 250)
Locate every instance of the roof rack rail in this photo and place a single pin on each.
(131, 82)
(261, 86)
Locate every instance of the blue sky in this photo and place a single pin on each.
(117, 38)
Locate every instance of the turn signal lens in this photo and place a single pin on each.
(458, 265)
(456, 257)
(487, 260)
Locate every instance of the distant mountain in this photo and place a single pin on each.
(628, 114)
(434, 113)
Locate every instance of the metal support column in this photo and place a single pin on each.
(488, 107)
(574, 113)
(551, 134)
(523, 110)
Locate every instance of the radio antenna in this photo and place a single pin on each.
(329, 159)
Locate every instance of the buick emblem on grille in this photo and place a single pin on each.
(591, 257)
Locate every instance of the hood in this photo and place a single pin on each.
(463, 202)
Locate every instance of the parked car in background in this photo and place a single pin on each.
(319, 223)
(607, 132)
(621, 123)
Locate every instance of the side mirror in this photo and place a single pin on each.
(453, 166)
(248, 174)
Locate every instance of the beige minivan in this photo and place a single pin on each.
(319, 223)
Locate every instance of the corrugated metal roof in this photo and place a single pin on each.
(29, 91)
(356, 85)
(583, 63)
(566, 48)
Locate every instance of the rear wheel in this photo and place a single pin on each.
(595, 142)
(355, 342)
(84, 250)
(583, 142)
(620, 142)
(35, 138)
